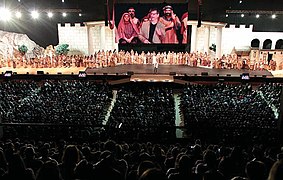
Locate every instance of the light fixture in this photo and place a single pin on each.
(64, 14)
(257, 16)
(273, 16)
(80, 14)
(5, 14)
(240, 1)
(227, 15)
(34, 14)
(242, 15)
(18, 14)
(50, 14)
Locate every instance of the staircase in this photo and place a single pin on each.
(110, 107)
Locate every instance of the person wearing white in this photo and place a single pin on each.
(155, 63)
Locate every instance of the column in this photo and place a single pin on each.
(114, 44)
(218, 42)
(194, 38)
(102, 37)
(90, 40)
(207, 38)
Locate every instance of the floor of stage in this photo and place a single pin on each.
(172, 69)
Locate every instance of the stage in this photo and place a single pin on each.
(174, 70)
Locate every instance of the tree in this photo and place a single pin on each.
(62, 49)
(213, 47)
(23, 49)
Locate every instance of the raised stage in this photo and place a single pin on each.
(174, 70)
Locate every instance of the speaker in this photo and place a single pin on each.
(229, 75)
(105, 74)
(59, 73)
(172, 73)
(130, 73)
(106, 14)
(204, 73)
(264, 76)
(40, 72)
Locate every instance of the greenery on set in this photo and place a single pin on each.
(62, 49)
(213, 47)
(23, 49)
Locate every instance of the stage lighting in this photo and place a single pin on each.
(257, 16)
(64, 14)
(18, 14)
(50, 14)
(34, 14)
(5, 14)
(273, 16)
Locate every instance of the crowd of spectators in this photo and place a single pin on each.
(230, 113)
(64, 160)
(222, 117)
(63, 104)
(143, 111)
(272, 92)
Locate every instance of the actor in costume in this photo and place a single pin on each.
(152, 31)
(172, 24)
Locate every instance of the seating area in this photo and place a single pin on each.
(231, 113)
(143, 112)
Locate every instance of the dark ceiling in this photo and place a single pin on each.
(92, 10)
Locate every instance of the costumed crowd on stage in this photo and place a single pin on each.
(113, 58)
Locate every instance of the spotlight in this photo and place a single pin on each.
(34, 14)
(240, 1)
(50, 14)
(273, 16)
(18, 14)
(242, 15)
(80, 14)
(257, 16)
(64, 14)
(5, 14)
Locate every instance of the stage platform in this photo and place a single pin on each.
(172, 70)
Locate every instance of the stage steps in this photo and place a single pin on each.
(120, 81)
(110, 107)
(179, 118)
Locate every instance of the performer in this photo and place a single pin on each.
(172, 24)
(133, 19)
(184, 27)
(155, 63)
(127, 30)
(152, 31)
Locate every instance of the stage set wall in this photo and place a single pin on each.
(90, 37)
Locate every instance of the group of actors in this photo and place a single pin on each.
(153, 28)
(110, 58)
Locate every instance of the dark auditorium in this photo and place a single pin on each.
(141, 90)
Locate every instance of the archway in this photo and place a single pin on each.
(279, 44)
(255, 43)
(267, 44)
